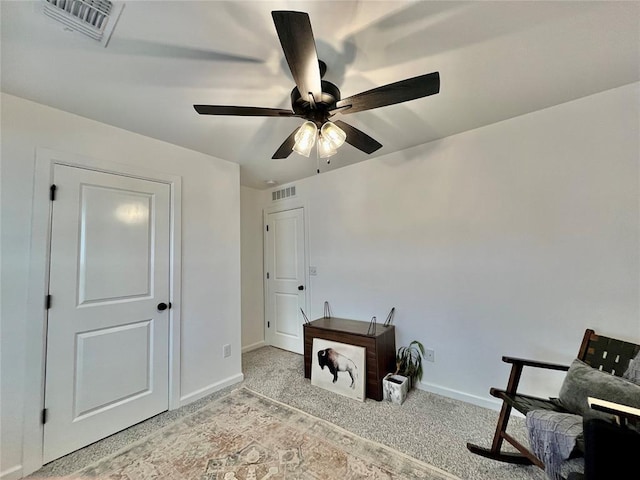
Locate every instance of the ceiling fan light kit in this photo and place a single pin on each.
(325, 147)
(333, 134)
(316, 100)
(329, 138)
(305, 138)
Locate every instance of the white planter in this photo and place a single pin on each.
(395, 388)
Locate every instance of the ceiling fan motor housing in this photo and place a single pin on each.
(319, 114)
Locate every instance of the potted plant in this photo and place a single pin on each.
(409, 362)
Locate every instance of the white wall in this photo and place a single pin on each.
(508, 239)
(210, 257)
(252, 272)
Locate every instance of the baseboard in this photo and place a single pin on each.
(462, 396)
(253, 346)
(214, 387)
(12, 473)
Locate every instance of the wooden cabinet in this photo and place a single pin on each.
(380, 347)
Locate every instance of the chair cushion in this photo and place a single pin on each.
(633, 371)
(583, 381)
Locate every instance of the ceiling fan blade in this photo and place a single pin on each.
(296, 38)
(392, 93)
(358, 139)
(287, 146)
(130, 46)
(242, 111)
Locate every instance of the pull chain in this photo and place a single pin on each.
(317, 156)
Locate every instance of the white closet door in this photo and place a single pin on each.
(107, 340)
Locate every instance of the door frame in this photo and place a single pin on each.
(38, 286)
(283, 206)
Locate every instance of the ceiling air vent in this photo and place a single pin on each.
(93, 18)
(284, 193)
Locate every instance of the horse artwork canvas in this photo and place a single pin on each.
(339, 367)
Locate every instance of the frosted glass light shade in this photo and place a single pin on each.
(305, 138)
(334, 134)
(325, 147)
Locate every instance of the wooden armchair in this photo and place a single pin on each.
(604, 353)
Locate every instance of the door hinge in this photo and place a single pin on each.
(47, 302)
(267, 228)
(52, 192)
(44, 415)
(268, 324)
(267, 275)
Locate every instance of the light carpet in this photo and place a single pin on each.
(428, 427)
(247, 436)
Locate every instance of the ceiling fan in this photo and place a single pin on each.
(317, 100)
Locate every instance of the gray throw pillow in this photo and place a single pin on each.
(632, 373)
(583, 381)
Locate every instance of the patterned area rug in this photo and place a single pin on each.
(245, 436)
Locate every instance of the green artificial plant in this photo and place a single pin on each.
(409, 361)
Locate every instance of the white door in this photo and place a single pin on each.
(286, 286)
(107, 340)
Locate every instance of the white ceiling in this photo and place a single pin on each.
(496, 60)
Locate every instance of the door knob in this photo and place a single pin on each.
(163, 306)
(300, 287)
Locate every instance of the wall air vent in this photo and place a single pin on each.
(94, 18)
(284, 193)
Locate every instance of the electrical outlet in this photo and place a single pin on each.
(226, 350)
(430, 355)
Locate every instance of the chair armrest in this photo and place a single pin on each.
(517, 364)
(534, 363)
(622, 411)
